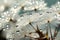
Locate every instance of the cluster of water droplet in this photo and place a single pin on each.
(16, 15)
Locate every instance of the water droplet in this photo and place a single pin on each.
(17, 31)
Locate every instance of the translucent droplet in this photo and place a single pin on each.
(4, 29)
(17, 31)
